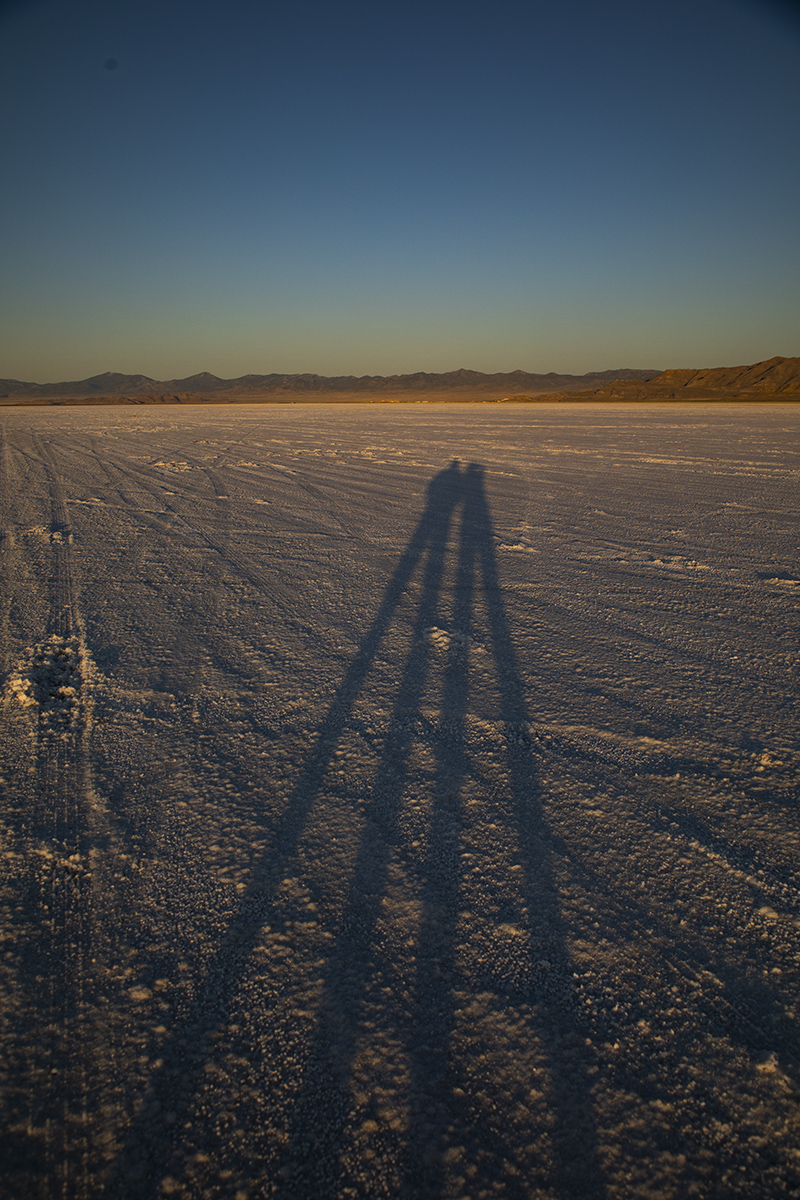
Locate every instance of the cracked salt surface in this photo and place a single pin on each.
(408, 808)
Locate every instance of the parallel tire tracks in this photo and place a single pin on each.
(7, 540)
(57, 687)
(125, 480)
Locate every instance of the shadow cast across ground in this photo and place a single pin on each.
(445, 1117)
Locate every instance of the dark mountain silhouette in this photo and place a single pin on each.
(204, 385)
(110, 383)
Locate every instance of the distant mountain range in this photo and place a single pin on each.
(206, 386)
(776, 377)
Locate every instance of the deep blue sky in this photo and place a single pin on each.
(360, 187)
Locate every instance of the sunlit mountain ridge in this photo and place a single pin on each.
(779, 377)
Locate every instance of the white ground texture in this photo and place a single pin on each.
(400, 801)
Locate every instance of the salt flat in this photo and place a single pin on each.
(400, 801)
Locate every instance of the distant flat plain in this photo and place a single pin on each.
(448, 396)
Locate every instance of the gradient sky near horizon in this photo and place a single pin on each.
(352, 188)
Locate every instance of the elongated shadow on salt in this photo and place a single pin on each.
(313, 1162)
(439, 1091)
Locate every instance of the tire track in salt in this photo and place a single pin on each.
(679, 952)
(730, 1005)
(276, 593)
(221, 496)
(16, 517)
(126, 494)
(28, 1050)
(170, 524)
(320, 497)
(772, 868)
(55, 683)
(7, 544)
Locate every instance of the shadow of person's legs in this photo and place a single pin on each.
(190, 1046)
(322, 1110)
(550, 989)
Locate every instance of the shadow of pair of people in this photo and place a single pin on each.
(452, 549)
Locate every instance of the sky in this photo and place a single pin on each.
(360, 188)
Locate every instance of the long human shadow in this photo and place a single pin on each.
(318, 1132)
(313, 1164)
(189, 1046)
